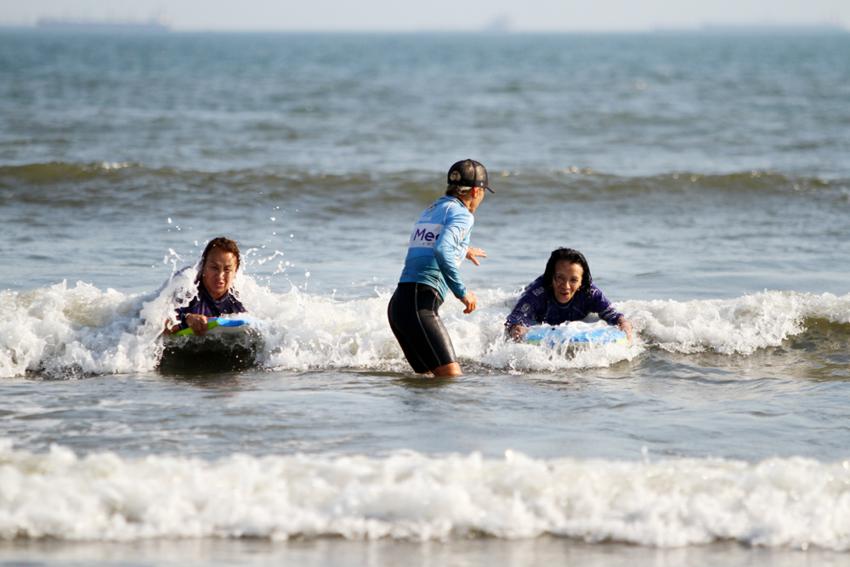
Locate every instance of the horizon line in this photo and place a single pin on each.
(161, 26)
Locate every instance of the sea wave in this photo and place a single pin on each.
(67, 331)
(59, 171)
(788, 502)
(103, 179)
(740, 325)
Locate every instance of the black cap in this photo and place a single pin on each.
(468, 173)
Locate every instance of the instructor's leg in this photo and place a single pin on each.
(404, 322)
(450, 370)
(439, 341)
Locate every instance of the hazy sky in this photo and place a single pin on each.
(404, 15)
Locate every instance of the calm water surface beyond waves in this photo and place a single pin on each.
(705, 177)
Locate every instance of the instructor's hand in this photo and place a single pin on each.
(472, 254)
(470, 301)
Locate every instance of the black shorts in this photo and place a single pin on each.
(417, 326)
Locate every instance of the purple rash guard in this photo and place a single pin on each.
(204, 304)
(537, 305)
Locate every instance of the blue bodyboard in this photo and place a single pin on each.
(576, 334)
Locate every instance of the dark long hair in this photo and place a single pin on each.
(573, 257)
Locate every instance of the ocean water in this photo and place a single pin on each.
(704, 176)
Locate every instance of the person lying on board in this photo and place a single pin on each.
(216, 297)
(565, 292)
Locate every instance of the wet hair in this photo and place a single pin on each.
(225, 245)
(457, 190)
(573, 257)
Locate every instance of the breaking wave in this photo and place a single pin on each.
(789, 502)
(63, 330)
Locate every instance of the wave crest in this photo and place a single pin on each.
(65, 331)
(790, 502)
(572, 179)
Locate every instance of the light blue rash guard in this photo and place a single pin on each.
(438, 244)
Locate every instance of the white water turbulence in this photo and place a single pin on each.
(734, 326)
(791, 502)
(63, 331)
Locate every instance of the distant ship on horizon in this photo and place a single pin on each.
(60, 24)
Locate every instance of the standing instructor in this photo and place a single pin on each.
(438, 244)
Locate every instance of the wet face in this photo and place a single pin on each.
(219, 271)
(566, 281)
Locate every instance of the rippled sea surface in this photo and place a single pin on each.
(704, 176)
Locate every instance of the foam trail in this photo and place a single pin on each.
(791, 502)
(68, 331)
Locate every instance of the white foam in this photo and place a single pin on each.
(80, 327)
(64, 330)
(733, 326)
(790, 502)
(112, 165)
